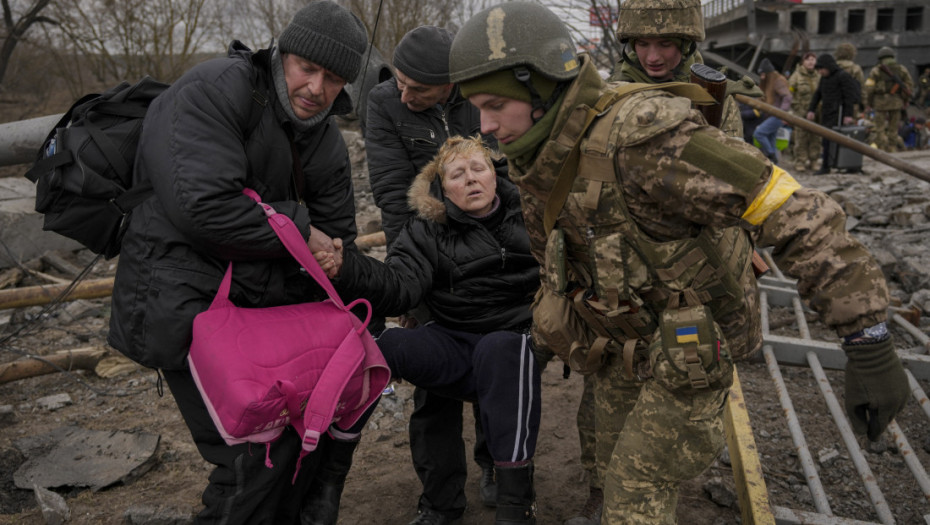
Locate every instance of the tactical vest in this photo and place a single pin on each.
(619, 282)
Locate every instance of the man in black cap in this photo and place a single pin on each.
(839, 93)
(409, 117)
(248, 120)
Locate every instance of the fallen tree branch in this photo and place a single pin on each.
(76, 359)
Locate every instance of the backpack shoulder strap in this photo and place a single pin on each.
(576, 128)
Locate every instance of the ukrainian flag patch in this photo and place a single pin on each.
(686, 334)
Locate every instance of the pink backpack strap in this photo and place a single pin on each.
(324, 399)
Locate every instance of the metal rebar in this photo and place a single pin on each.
(910, 459)
(913, 330)
(849, 439)
(797, 435)
(918, 392)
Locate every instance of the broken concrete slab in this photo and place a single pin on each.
(76, 457)
(21, 227)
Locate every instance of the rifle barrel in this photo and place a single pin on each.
(840, 139)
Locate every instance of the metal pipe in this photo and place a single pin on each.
(918, 392)
(910, 458)
(840, 139)
(849, 439)
(797, 435)
(19, 141)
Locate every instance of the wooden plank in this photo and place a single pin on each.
(754, 505)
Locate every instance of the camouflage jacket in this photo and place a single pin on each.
(731, 123)
(879, 91)
(803, 84)
(677, 177)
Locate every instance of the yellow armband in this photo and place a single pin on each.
(780, 186)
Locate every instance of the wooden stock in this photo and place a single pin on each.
(715, 83)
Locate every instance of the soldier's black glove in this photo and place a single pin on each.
(876, 386)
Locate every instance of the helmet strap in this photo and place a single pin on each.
(523, 76)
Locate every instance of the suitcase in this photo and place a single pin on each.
(844, 158)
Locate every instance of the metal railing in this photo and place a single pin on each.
(803, 350)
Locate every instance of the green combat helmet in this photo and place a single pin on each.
(510, 35)
(884, 52)
(657, 18)
(523, 37)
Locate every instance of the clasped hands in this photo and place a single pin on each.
(326, 250)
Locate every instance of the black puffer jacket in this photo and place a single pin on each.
(399, 142)
(180, 241)
(470, 278)
(839, 93)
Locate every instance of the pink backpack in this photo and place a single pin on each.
(307, 365)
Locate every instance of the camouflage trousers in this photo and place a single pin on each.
(885, 129)
(586, 433)
(649, 440)
(806, 147)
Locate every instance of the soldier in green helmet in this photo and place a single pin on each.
(659, 39)
(887, 91)
(643, 219)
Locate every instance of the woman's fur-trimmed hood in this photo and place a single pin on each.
(425, 195)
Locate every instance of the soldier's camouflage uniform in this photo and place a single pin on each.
(679, 177)
(731, 123)
(806, 147)
(877, 94)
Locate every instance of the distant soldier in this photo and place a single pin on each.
(887, 91)
(803, 83)
(923, 85)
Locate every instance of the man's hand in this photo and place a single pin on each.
(848, 121)
(327, 251)
(810, 115)
(876, 386)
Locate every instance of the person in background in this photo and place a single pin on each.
(199, 148)
(845, 55)
(775, 87)
(466, 256)
(837, 95)
(409, 117)
(887, 92)
(636, 231)
(803, 83)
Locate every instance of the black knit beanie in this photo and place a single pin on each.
(423, 55)
(327, 34)
(766, 66)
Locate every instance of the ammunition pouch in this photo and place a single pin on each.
(689, 354)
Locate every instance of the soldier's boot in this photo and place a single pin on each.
(516, 497)
(592, 510)
(322, 504)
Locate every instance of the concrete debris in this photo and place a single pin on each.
(53, 402)
(721, 493)
(77, 457)
(146, 515)
(7, 415)
(54, 509)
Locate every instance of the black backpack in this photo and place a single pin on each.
(83, 171)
